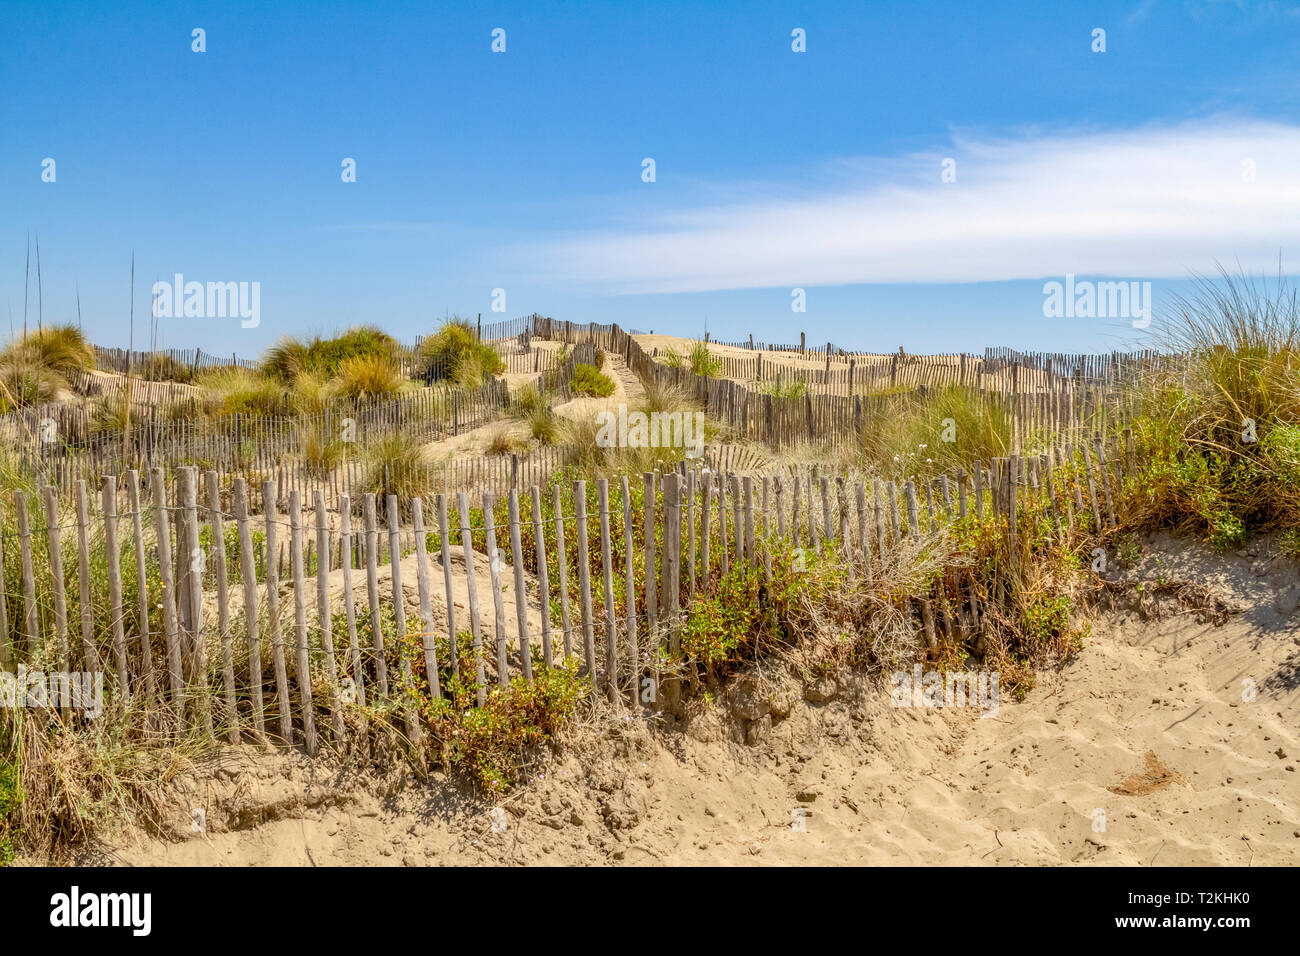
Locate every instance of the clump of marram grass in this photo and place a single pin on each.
(527, 399)
(110, 416)
(1218, 432)
(324, 358)
(938, 430)
(34, 368)
(581, 438)
(503, 443)
(24, 382)
(321, 452)
(702, 362)
(161, 367)
(396, 464)
(529, 405)
(72, 786)
(59, 347)
(364, 377)
(544, 425)
(232, 390)
(790, 388)
(455, 354)
(310, 394)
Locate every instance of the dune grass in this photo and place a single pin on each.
(1221, 434)
(34, 368)
(454, 354)
(324, 357)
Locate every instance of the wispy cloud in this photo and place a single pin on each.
(1140, 12)
(1152, 202)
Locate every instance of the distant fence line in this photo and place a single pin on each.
(1070, 407)
(64, 443)
(997, 371)
(181, 597)
(1095, 368)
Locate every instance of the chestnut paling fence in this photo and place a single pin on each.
(184, 599)
(1077, 396)
(63, 443)
(1078, 407)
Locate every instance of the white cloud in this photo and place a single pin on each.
(1152, 202)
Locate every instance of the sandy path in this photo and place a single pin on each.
(877, 784)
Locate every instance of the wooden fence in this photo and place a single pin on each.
(182, 598)
(63, 443)
(1004, 373)
(1071, 407)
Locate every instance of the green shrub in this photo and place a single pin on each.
(587, 380)
(1218, 434)
(10, 798)
(455, 354)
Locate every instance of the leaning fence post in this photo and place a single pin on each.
(606, 561)
(248, 573)
(521, 591)
(399, 614)
(300, 622)
(170, 624)
(584, 575)
(543, 578)
(273, 614)
(223, 606)
(423, 585)
(323, 618)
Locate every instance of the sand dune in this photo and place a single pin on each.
(1149, 726)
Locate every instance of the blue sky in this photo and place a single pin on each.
(523, 170)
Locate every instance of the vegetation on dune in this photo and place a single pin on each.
(702, 362)
(792, 388)
(231, 390)
(1218, 441)
(455, 354)
(35, 368)
(937, 430)
(503, 443)
(59, 347)
(396, 465)
(1221, 436)
(823, 618)
(161, 367)
(588, 380)
(324, 358)
(367, 377)
(529, 404)
(699, 360)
